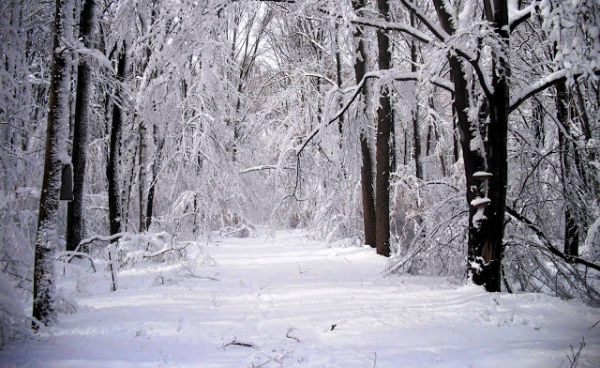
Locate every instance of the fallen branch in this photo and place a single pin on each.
(234, 342)
(291, 337)
(203, 277)
(163, 251)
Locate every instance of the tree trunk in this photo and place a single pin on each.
(151, 189)
(571, 237)
(145, 192)
(366, 170)
(415, 110)
(46, 241)
(485, 158)
(487, 251)
(143, 175)
(338, 75)
(75, 210)
(385, 122)
(114, 159)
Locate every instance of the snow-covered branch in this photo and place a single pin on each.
(540, 234)
(392, 26)
(540, 85)
(423, 37)
(430, 24)
(518, 16)
(258, 168)
(384, 74)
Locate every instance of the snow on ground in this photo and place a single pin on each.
(301, 304)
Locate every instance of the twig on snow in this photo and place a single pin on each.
(202, 277)
(574, 356)
(291, 337)
(234, 342)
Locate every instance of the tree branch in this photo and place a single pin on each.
(401, 77)
(441, 34)
(567, 258)
(392, 26)
(433, 28)
(545, 82)
(522, 15)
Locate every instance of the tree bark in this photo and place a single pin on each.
(487, 250)
(151, 189)
(385, 122)
(113, 168)
(571, 233)
(415, 110)
(484, 155)
(148, 74)
(75, 210)
(338, 77)
(366, 170)
(46, 241)
(143, 194)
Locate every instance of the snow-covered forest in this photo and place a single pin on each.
(442, 153)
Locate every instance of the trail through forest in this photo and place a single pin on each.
(282, 300)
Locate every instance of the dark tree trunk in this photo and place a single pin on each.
(366, 170)
(150, 206)
(114, 157)
(385, 122)
(75, 210)
(143, 194)
(338, 77)
(151, 189)
(415, 110)
(46, 241)
(338, 73)
(485, 170)
(487, 250)
(571, 237)
(368, 197)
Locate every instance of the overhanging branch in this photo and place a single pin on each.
(567, 258)
(401, 77)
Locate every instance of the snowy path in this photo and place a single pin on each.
(333, 305)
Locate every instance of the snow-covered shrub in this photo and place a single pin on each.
(428, 224)
(13, 321)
